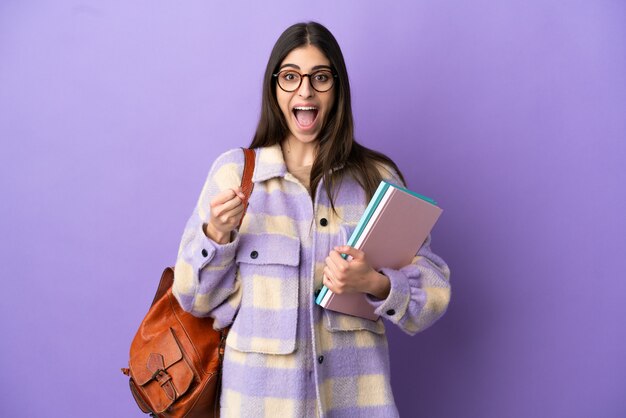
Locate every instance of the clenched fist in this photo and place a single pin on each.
(226, 212)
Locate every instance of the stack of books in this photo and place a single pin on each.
(394, 226)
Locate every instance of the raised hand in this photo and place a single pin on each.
(226, 212)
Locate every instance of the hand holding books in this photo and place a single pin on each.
(353, 274)
(394, 226)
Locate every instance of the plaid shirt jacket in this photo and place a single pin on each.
(286, 356)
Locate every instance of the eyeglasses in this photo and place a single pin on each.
(290, 80)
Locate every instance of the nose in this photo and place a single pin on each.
(305, 89)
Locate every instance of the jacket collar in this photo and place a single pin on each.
(271, 163)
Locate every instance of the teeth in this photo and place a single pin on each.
(305, 108)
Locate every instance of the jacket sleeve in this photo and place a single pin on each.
(420, 291)
(205, 281)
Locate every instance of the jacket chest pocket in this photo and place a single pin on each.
(337, 321)
(268, 268)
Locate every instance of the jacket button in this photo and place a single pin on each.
(254, 254)
(323, 221)
(320, 359)
(205, 253)
(391, 312)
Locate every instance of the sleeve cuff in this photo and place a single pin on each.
(203, 250)
(396, 303)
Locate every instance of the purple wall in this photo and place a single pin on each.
(512, 114)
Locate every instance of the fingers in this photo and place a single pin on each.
(226, 196)
(336, 263)
(334, 270)
(329, 282)
(339, 264)
(222, 197)
(351, 252)
(226, 201)
(342, 275)
(229, 206)
(232, 214)
(226, 209)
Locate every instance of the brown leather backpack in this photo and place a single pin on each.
(175, 357)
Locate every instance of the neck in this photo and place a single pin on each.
(297, 153)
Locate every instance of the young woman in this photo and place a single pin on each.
(286, 356)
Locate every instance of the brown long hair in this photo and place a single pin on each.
(336, 143)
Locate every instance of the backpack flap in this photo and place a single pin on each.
(161, 372)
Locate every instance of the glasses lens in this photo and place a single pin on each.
(289, 80)
(322, 80)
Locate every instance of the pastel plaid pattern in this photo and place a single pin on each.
(285, 356)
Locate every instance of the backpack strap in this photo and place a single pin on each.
(246, 179)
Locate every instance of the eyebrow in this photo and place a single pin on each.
(315, 68)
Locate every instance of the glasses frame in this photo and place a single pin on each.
(302, 78)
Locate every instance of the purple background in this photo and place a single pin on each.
(512, 114)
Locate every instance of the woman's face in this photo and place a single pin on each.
(305, 109)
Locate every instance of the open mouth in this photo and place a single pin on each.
(305, 115)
